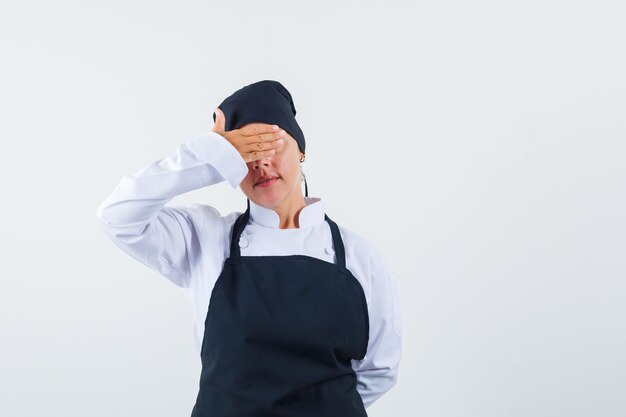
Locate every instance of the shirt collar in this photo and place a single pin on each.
(310, 215)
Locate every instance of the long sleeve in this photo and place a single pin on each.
(135, 217)
(377, 372)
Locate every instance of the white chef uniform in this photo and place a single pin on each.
(188, 245)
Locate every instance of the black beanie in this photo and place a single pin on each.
(266, 101)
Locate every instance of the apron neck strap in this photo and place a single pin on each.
(340, 252)
(238, 227)
(306, 188)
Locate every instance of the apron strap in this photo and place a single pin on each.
(340, 252)
(306, 188)
(240, 223)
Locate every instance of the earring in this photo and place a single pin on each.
(302, 158)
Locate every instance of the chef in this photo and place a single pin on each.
(293, 314)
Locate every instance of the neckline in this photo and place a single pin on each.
(242, 221)
(312, 214)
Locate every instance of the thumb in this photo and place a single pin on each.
(219, 119)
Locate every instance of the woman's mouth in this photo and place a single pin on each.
(267, 182)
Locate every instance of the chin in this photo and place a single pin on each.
(269, 198)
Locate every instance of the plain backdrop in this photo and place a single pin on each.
(480, 145)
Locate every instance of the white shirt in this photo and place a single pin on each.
(188, 245)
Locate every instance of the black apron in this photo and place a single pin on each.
(279, 336)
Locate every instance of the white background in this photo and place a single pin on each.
(480, 145)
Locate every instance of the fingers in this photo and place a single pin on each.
(253, 141)
(254, 155)
(253, 129)
(264, 137)
(263, 146)
(259, 150)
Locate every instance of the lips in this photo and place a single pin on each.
(264, 179)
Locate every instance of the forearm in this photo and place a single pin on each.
(201, 161)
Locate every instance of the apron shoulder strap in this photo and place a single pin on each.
(240, 223)
(337, 242)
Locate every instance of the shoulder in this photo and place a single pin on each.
(210, 223)
(207, 215)
(363, 259)
(360, 248)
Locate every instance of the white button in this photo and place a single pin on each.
(329, 251)
(243, 242)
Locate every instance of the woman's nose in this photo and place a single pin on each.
(263, 161)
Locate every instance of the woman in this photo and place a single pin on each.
(293, 314)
